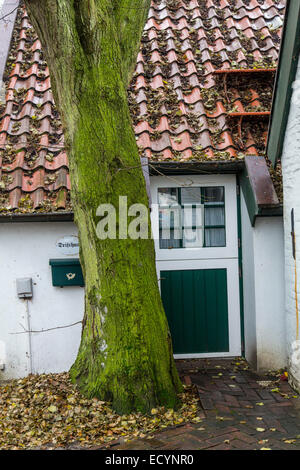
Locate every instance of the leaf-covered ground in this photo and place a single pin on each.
(48, 411)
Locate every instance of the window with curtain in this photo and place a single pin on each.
(192, 217)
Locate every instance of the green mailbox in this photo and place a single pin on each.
(66, 272)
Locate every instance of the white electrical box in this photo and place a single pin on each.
(24, 288)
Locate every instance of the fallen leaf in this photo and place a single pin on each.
(52, 409)
(197, 419)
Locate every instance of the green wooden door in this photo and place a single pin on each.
(196, 306)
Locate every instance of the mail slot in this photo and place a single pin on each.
(66, 272)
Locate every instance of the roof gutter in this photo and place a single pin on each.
(38, 217)
(192, 167)
(288, 61)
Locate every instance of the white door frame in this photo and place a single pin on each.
(206, 258)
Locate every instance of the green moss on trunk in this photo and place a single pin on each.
(125, 355)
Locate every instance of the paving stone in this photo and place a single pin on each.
(217, 395)
(134, 445)
(221, 439)
(231, 400)
(272, 422)
(278, 397)
(243, 436)
(187, 380)
(250, 394)
(224, 431)
(221, 447)
(155, 443)
(222, 408)
(240, 380)
(207, 403)
(201, 435)
(241, 445)
(265, 395)
(189, 442)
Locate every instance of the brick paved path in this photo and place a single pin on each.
(239, 410)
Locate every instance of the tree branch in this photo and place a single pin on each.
(47, 329)
(3, 18)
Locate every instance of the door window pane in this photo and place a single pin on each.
(213, 195)
(215, 237)
(191, 195)
(214, 216)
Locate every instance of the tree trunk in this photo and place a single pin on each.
(125, 355)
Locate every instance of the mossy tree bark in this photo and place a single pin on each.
(125, 354)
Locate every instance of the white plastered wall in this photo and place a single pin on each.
(263, 285)
(25, 250)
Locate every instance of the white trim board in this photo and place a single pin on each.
(205, 356)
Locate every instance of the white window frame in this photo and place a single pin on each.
(229, 184)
